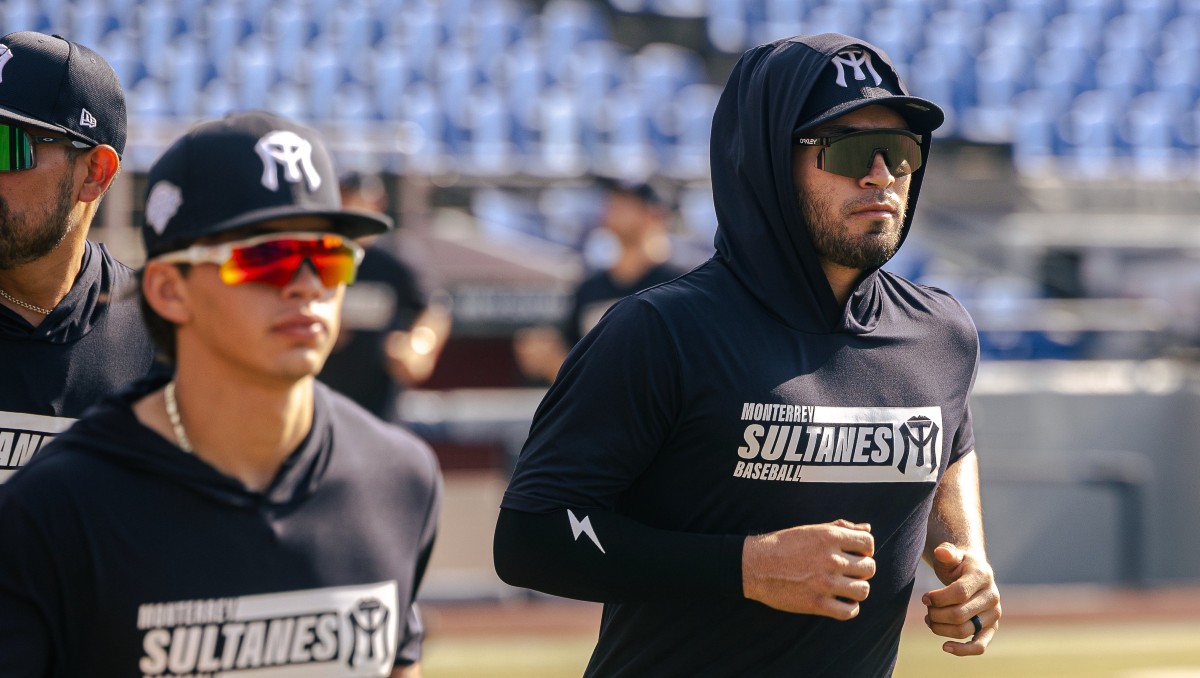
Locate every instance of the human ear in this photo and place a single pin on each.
(102, 165)
(166, 292)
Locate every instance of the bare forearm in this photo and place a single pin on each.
(957, 516)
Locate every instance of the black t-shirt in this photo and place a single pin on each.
(91, 345)
(385, 297)
(125, 556)
(599, 291)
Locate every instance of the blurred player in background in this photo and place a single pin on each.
(70, 332)
(747, 464)
(637, 218)
(235, 518)
(392, 332)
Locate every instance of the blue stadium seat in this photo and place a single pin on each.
(662, 69)
(24, 15)
(727, 27)
(566, 23)
(691, 113)
(835, 18)
(225, 30)
(220, 97)
(1000, 74)
(288, 99)
(149, 100)
(1124, 72)
(91, 21)
(776, 19)
(489, 149)
(1148, 134)
(290, 31)
(552, 140)
(897, 32)
(426, 124)
(1089, 132)
(626, 149)
(189, 72)
(1177, 73)
(158, 28)
(118, 48)
(254, 72)
(1034, 131)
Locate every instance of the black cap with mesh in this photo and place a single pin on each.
(240, 170)
(51, 83)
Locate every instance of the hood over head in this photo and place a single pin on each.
(774, 91)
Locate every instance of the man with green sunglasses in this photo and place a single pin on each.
(747, 464)
(236, 517)
(70, 331)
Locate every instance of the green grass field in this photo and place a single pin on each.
(1091, 650)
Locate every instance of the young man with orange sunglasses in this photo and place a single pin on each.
(235, 517)
(69, 327)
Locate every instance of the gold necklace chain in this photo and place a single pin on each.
(25, 304)
(173, 415)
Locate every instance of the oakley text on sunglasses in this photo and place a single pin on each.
(16, 147)
(275, 258)
(851, 155)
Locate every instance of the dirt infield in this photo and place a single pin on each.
(1022, 604)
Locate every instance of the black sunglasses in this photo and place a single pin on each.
(16, 147)
(851, 155)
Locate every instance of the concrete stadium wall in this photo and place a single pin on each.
(1050, 437)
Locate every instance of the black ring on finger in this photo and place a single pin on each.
(977, 624)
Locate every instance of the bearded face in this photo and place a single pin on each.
(31, 234)
(829, 227)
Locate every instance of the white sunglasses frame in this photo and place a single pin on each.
(220, 253)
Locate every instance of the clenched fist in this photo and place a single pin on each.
(811, 569)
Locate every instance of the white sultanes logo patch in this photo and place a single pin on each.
(86, 119)
(6, 56)
(294, 153)
(807, 444)
(856, 58)
(22, 435)
(347, 631)
(164, 201)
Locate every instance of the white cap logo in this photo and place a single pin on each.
(856, 58)
(164, 201)
(6, 55)
(86, 119)
(292, 151)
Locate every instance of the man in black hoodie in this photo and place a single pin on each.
(746, 464)
(70, 332)
(236, 517)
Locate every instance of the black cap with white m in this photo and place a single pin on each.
(51, 83)
(240, 170)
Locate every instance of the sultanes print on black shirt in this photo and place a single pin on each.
(135, 558)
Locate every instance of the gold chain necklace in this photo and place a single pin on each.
(25, 304)
(173, 415)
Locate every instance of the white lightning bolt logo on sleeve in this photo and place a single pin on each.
(584, 526)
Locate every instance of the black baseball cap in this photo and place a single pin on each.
(242, 169)
(51, 83)
(638, 189)
(855, 78)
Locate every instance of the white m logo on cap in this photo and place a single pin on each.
(294, 153)
(855, 58)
